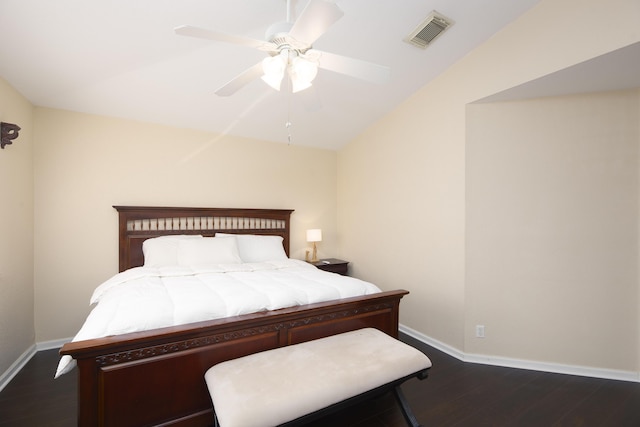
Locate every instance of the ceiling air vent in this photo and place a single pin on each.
(428, 30)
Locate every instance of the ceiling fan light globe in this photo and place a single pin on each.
(273, 68)
(305, 69)
(299, 84)
(272, 81)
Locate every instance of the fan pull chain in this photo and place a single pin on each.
(288, 123)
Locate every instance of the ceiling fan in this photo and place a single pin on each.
(290, 50)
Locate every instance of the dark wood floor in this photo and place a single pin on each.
(455, 394)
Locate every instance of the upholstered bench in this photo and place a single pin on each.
(298, 383)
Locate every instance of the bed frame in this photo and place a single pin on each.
(156, 378)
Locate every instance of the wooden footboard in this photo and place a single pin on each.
(157, 377)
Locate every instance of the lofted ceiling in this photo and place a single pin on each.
(121, 58)
(616, 70)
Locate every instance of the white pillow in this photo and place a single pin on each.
(257, 248)
(207, 251)
(163, 251)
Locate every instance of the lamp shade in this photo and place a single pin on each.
(314, 235)
(302, 73)
(273, 67)
(305, 70)
(297, 85)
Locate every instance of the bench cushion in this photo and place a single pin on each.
(280, 385)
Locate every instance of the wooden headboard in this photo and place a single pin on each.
(138, 223)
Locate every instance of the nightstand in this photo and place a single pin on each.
(333, 265)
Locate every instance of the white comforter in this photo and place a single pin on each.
(145, 298)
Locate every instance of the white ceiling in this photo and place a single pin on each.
(121, 58)
(616, 70)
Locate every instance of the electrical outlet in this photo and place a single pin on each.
(479, 331)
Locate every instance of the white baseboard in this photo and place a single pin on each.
(16, 366)
(50, 345)
(609, 374)
(445, 348)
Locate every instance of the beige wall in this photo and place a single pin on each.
(552, 232)
(402, 209)
(84, 164)
(16, 230)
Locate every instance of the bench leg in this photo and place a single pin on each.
(406, 409)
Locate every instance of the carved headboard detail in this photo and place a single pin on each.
(138, 223)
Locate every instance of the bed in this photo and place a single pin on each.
(155, 377)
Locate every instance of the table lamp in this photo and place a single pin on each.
(314, 235)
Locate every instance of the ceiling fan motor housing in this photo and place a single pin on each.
(278, 34)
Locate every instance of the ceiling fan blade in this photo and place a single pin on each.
(241, 80)
(201, 33)
(352, 67)
(314, 20)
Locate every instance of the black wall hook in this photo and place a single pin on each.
(8, 132)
